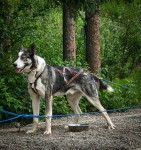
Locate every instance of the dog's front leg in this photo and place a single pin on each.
(36, 108)
(48, 114)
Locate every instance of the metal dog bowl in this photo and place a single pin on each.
(78, 127)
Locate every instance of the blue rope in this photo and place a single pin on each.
(7, 112)
(17, 116)
(66, 115)
(123, 86)
(61, 115)
(10, 119)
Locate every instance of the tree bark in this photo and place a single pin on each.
(92, 29)
(69, 47)
(5, 42)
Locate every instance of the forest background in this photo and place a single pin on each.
(40, 22)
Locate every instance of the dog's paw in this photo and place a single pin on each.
(33, 129)
(30, 131)
(47, 132)
(66, 127)
(111, 127)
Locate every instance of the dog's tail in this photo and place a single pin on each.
(102, 85)
(105, 86)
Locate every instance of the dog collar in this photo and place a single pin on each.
(32, 70)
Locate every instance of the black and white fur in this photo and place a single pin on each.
(47, 81)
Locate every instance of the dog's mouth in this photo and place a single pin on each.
(19, 70)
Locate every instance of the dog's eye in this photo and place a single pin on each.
(23, 58)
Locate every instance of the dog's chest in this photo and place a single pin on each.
(38, 87)
(31, 77)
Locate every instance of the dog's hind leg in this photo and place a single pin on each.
(36, 108)
(95, 101)
(73, 100)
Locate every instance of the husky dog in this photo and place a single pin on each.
(47, 81)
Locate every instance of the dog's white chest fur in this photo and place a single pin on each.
(34, 82)
(40, 88)
(31, 77)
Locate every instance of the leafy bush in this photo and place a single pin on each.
(14, 96)
(127, 93)
(120, 54)
(120, 37)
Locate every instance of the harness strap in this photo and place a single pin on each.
(35, 82)
(33, 89)
(72, 72)
(74, 77)
(63, 73)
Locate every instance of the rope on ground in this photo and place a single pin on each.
(16, 116)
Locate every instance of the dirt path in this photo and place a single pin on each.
(126, 136)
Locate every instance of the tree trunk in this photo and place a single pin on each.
(5, 42)
(4, 37)
(69, 48)
(92, 29)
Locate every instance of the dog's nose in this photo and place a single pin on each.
(15, 65)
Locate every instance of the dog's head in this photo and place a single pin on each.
(26, 59)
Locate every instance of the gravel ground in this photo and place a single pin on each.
(126, 136)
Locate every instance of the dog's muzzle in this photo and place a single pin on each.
(19, 70)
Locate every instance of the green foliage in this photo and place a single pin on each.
(35, 21)
(61, 106)
(121, 37)
(14, 96)
(127, 93)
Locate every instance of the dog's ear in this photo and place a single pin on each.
(21, 48)
(31, 49)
